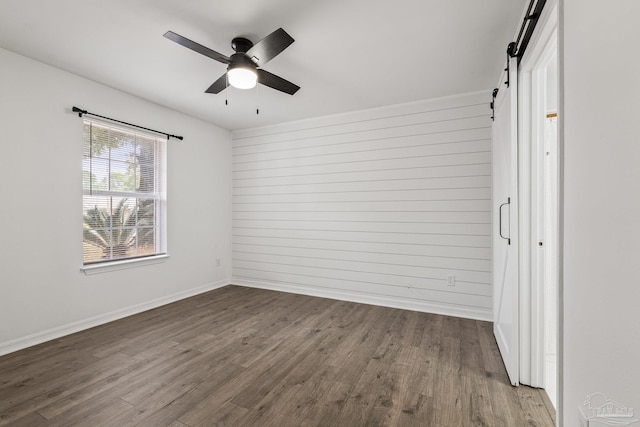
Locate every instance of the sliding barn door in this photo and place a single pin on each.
(505, 220)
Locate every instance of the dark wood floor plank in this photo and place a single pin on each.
(533, 407)
(353, 331)
(394, 364)
(293, 395)
(294, 392)
(120, 367)
(426, 358)
(83, 387)
(176, 409)
(99, 415)
(329, 409)
(43, 370)
(417, 410)
(361, 346)
(23, 359)
(471, 360)
(476, 404)
(225, 415)
(402, 372)
(204, 406)
(173, 381)
(86, 402)
(55, 385)
(32, 419)
(244, 357)
(272, 378)
(308, 401)
(367, 395)
(490, 353)
(448, 386)
(249, 387)
(547, 403)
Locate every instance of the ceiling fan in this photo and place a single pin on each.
(244, 68)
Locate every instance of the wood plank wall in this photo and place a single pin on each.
(378, 206)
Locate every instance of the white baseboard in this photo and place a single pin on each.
(70, 328)
(364, 298)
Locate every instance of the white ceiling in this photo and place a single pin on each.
(348, 54)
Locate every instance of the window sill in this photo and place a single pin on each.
(123, 265)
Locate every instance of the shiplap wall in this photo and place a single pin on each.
(377, 206)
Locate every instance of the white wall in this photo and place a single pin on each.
(43, 293)
(600, 108)
(376, 206)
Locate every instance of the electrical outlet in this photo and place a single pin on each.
(451, 280)
(218, 262)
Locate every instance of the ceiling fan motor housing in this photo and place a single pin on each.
(241, 45)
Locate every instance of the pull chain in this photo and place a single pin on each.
(226, 92)
(257, 103)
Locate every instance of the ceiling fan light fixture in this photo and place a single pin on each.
(244, 68)
(242, 77)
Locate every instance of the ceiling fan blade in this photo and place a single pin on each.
(219, 85)
(277, 83)
(197, 47)
(269, 47)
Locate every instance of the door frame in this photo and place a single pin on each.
(542, 48)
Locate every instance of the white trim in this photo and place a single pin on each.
(365, 298)
(124, 264)
(530, 304)
(527, 303)
(542, 48)
(158, 195)
(561, 110)
(80, 325)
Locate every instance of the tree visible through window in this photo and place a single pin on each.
(123, 202)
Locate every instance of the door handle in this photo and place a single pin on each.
(508, 239)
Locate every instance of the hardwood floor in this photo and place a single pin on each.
(249, 357)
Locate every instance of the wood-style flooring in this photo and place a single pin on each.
(248, 357)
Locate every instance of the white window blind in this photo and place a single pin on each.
(124, 196)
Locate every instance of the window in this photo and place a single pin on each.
(124, 198)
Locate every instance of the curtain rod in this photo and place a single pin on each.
(82, 112)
